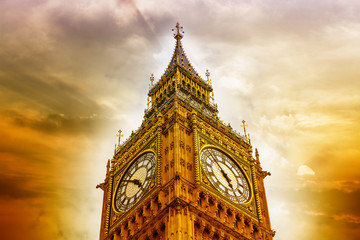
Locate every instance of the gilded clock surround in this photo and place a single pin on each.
(119, 176)
(151, 145)
(239, 164)
(180, 122)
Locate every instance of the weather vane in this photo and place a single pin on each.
(179, 31)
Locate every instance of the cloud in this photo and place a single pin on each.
(15, 187)
(280, 210)
(59, 123)
(315, 210)
(51, 95)
(304, 170)
(344, 186)
(71, 74)
(315, 213)
(347, 218)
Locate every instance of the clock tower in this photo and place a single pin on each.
(184, 174)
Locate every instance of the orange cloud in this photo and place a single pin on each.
(72, 74)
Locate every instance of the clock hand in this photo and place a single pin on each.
(238, 189)
(134, 181)
(226, 176)
(137, 182)
(222, 171)
(228, 181)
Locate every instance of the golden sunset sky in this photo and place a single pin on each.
(74, 72)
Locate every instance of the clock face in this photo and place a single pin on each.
(225, 175)
(135, 181)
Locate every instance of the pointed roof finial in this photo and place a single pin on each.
(152, 79)
(257, 156)
(108, 166)
(179, 31)
(207, 73)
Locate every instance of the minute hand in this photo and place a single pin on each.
(222, 171)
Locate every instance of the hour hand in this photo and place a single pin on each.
(225, 175)
(134, 181)
(226, 178)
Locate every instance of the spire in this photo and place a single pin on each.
(179, 58)
(180, 81)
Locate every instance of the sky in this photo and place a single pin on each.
(72, 73)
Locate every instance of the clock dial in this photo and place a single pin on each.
(135, 181)
(225, 175)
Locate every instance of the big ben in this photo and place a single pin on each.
(184, 174)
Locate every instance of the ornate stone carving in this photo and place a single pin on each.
(189, 166)
(182, 162)
(182, 145)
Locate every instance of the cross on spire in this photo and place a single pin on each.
(119, 135)
(179, 31)
(244, 126)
